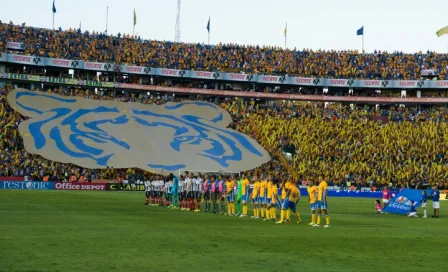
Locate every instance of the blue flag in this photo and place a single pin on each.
(54, 7)
(360, 31)
(401, 203)
(208, 25)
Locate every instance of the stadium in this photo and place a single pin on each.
(120, 153)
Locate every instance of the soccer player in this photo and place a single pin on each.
(153, 191)
(322, 202)
(312, 199)
(254, 196)
(424, 199)
(245, 194)
(294, 197)
(435, 201)
(239, 196)
(182, 190)
(147, 191)
(215, 192)
(230, 186)
(284, 201)
(221, 194)
(197, 185)
(189, 193)
(206, 189)
(271, 199)
(263, 195)
(167, 189)
(174, 191)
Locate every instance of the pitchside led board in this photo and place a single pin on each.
(189, 135)
(401, 203)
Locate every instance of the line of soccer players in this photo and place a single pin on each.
(188, 192)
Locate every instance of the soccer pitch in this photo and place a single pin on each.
(114, 231)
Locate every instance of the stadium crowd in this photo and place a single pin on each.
(344, 144)
(97, 46)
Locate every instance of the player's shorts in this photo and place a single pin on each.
(197, 195)
(322, 205)
(385, 201)
(424, 205)
(207, 195)
(290, 205)
(181, 196)
(148, 194)
(268, 201)
(436, 205)
(313, 206)
(231, 197)
(245, 198)
(214, 196)
(167, 195)
(254, 200)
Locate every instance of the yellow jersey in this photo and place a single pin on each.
(284, 189)
(323, 186)
(256, 189)
(312, 190)
(270, 190)
(263, 188)
(230, 184)
(294, 192)
(245, 184)
(274, 192)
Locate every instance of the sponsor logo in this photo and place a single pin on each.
(26, 185)
(269, 78)
(237, 76)
(61, 62)
(134, 69)
(401, 199)
(169, 72)
(124, 187)
(372, 83)
(204, 74)
(22, 58)
(443, 83)
(337, 82)
(93, 65)
(303, 80)
(80, 186)
(407, 83)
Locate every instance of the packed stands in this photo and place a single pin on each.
(95, 46)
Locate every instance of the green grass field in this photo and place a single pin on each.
(114, 231)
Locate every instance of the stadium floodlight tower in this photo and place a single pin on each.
(177, 35)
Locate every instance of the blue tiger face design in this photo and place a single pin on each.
(189, 135)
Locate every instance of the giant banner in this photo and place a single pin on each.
(401, 203)
(26, 185)
(100, 134)
(15, 45)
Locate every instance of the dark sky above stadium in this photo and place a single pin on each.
(407, 25)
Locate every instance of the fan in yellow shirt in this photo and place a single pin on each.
(312, 193)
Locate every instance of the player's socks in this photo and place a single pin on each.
(318, 219)
(288, 214)
(327, 219)
(273, 213)
(229, 208)
(261, 212)
(245, 209)
(313, 219)
(298, 217)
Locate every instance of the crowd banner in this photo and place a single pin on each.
(269, 79)
(15, 45)
(23, 77)
(305, 81)
(26, 185)
(80, 186)
(401, 203)
(238, 77)
(100, 66)
(65, 63)
(124, 187)
(411, 84)
(438, 84)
